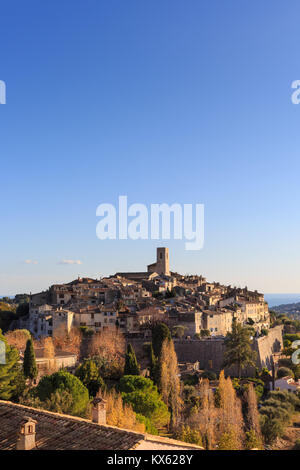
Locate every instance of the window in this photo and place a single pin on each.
(92, 316)
(97, 324)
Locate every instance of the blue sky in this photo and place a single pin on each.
(163, 101)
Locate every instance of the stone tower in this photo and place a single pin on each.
(162, 262)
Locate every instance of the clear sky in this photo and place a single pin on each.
(162, 101)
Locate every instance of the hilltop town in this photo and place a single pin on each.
(139, 360)
(133, 301)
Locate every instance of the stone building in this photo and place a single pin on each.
(162, 262)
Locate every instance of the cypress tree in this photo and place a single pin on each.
(160, 332)
(29, 364)
(153, 366)
(131, 364)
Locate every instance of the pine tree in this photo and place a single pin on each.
(9, 372)
(29, 364)
(238, 348)
(88, 373)
(131, 364)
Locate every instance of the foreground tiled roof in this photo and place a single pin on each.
(56, 431)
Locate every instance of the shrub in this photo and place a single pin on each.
(252, 441)
(284, 372)
(229, 441)
(191, 379)
(291, 337)
(86, 331)
(297, 445)
(204, 333)
(271, 429)
(186, 434)
(207, 374)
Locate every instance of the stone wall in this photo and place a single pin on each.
(210, 352)
(267, 345)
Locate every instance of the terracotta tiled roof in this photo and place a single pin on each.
(61, 432)
(56, 431)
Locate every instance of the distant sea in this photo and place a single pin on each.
(279, 299)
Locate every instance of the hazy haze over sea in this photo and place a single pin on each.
(279, 299)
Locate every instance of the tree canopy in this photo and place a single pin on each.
(131, 364)
(160, 332)
(9, 372)
(145, 399)
(238, 348)
(61, 382)
(88, 373)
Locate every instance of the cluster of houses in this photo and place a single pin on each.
(133, 301)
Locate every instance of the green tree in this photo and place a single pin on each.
(153, 366)
(131, 364)
(271, 429)
(143, 396)
(9, 372)
(63, 381)
(29, 364)
(238, 348)
(160, 332)
(88, 373)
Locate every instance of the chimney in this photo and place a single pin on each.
(99, 411)
(26, 439)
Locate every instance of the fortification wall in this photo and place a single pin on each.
(267, 345)
(210, 352)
